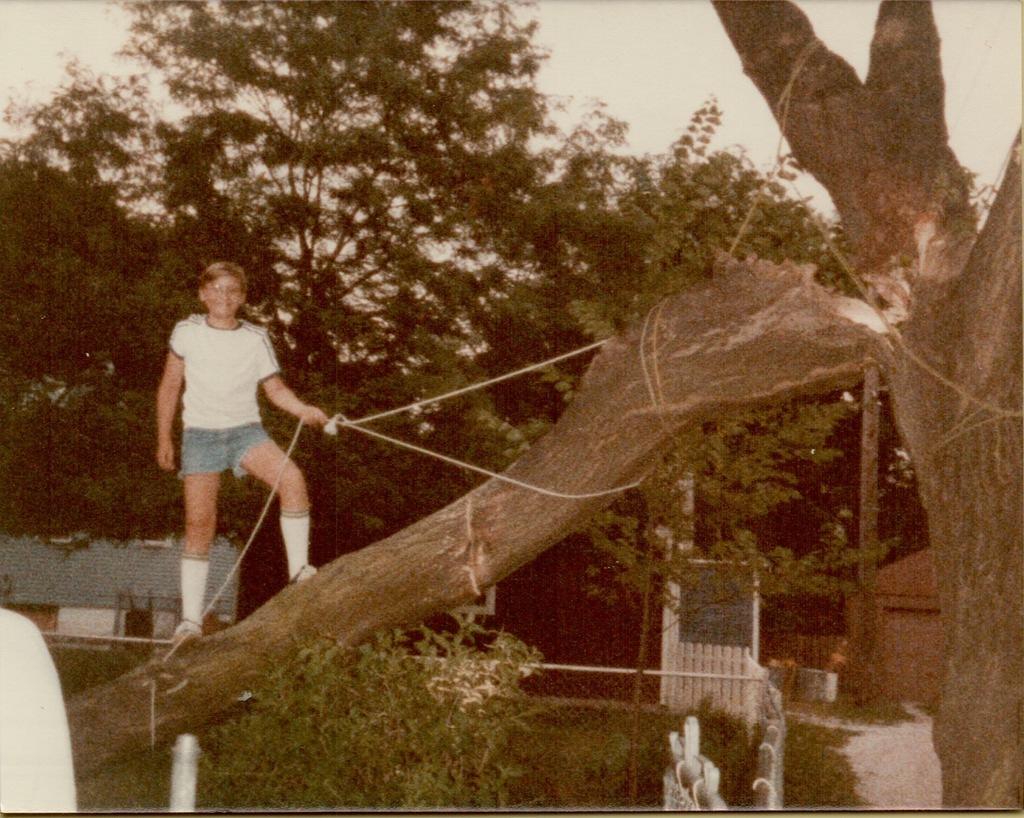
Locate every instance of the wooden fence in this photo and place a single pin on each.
(726, 675)
(691, 783)
(768, 786)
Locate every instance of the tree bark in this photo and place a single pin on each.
(967, 456)
(881, 150)
(757, 332)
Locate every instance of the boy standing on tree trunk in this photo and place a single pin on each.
(221, 360)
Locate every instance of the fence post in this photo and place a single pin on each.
(768, 786)
(184, 773)
(753, 689)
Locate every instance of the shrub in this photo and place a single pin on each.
(817, 773)
(731, 745)
(845, 708)
(405, 721)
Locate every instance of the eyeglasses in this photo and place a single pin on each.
(230, 292)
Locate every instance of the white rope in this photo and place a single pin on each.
(631, 671)
(340, 419)
(471, 388)
(480, 470)
(655, 402)
(152, 714)
(332, 426)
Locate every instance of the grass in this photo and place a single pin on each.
(846, 709)
(817, 774)
(81, 668)
(140, 782)
(575, 758)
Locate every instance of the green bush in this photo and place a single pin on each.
(817, 773)
(404, 721)
(732, 746)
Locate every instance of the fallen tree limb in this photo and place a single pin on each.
(755, 333)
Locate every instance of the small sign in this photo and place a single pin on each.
(716, 609)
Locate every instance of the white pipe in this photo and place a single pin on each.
(756, 616)
(137, 639)
(184, 773)
(631, 671)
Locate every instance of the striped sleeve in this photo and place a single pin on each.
(179, 338)
(266, 360)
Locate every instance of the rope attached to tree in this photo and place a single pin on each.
(487, 472)
(339, 420)
(466, 389)
(782, 115)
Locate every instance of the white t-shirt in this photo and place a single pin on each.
(223, 368)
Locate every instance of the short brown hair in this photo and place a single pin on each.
(224, 268)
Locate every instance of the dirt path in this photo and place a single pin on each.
(895, 764)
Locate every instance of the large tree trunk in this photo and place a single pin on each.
(880, 147)
(756, 333)
(968, 459)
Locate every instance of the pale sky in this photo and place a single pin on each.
(653, 62)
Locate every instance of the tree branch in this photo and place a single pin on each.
(880, 149)
(905, 76)
(769, 38)
(989, 291)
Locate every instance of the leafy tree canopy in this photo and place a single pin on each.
(389, 175)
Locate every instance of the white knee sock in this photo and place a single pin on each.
(193, 586)
(295, 530)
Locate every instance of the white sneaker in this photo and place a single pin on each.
(186, 631)
(304, 573)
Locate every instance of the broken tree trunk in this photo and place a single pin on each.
(755, 333)
(954, 369)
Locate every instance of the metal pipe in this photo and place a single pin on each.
(138, 639)
(184, 773)
(630, 671)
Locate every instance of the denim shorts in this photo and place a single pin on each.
(214, 450)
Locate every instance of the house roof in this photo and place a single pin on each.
(38, 572)
(912, 576)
